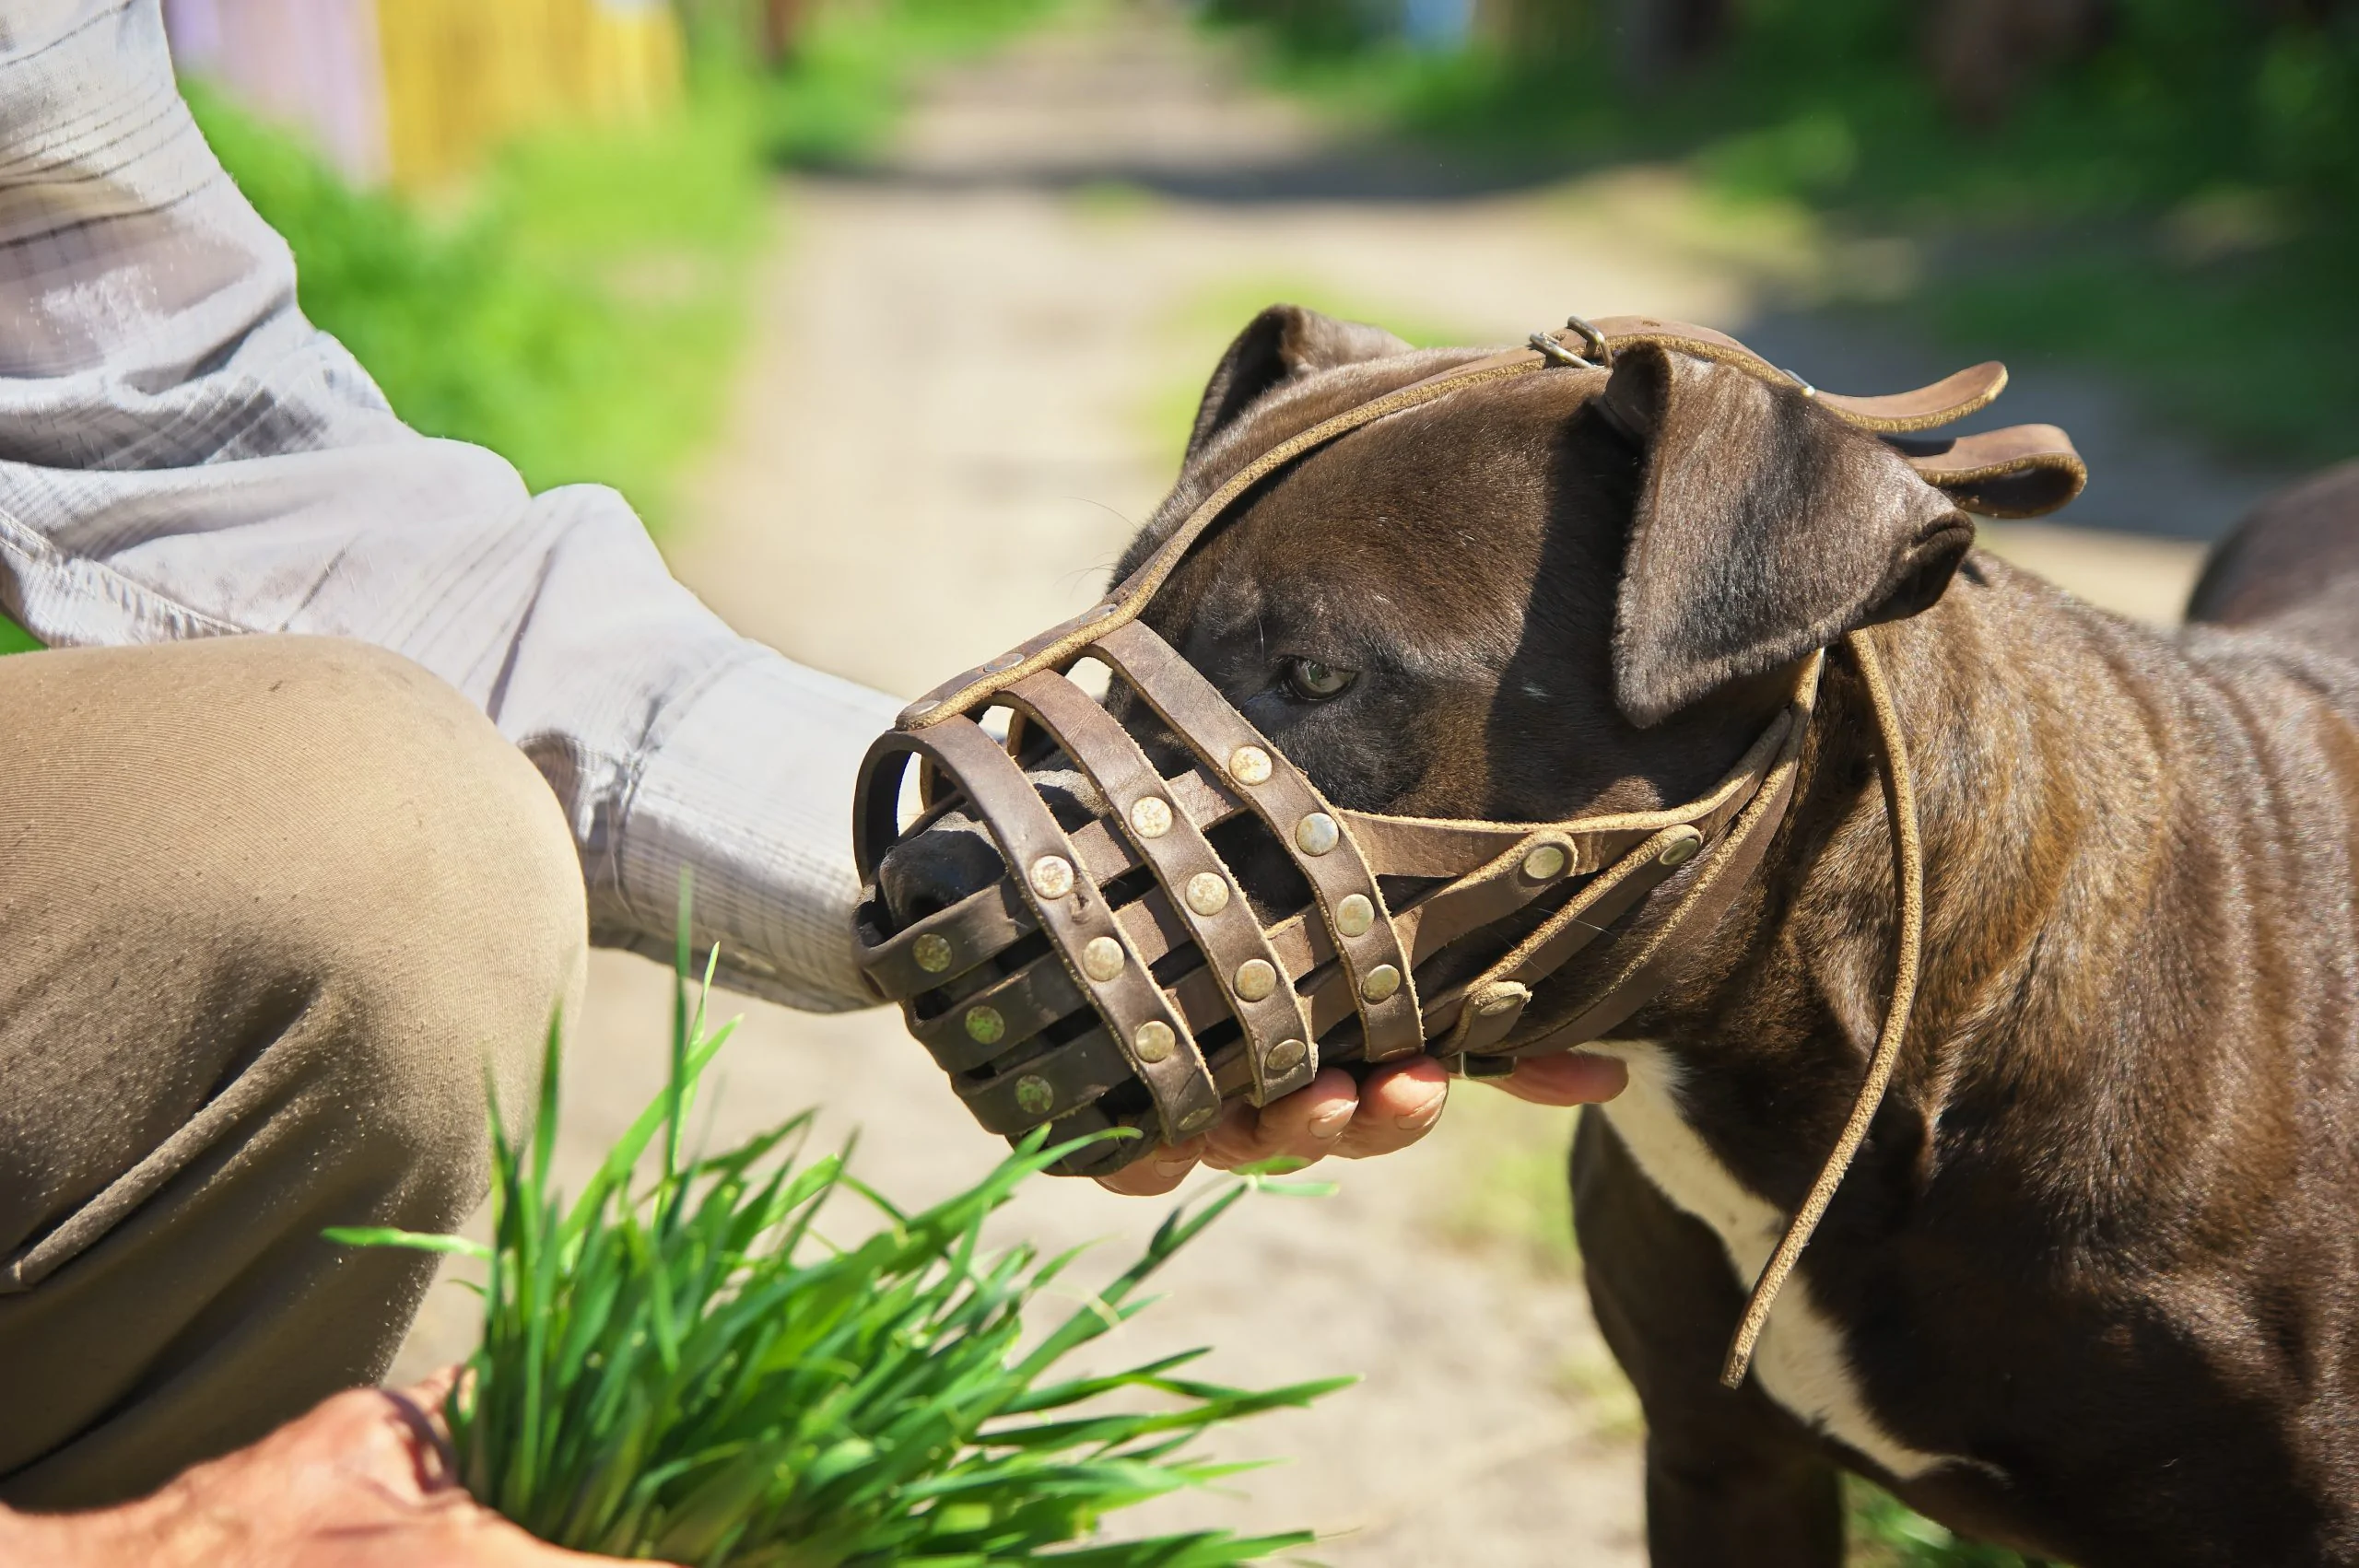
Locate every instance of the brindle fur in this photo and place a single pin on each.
(2103, 1241)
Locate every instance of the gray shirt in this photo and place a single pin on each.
(182, 455)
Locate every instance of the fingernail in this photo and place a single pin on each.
(1331, 1122)
(1174, 1167)
(1423, 1115)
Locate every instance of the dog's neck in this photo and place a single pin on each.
(2042, 737)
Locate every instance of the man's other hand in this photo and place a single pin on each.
(364, 1481)
(1331, 1115)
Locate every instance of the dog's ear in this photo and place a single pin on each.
(1281, 343)
(1764, 527)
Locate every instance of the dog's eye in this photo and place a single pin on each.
(1315, 682)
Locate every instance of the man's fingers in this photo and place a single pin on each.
(431, 1391)
(1161, 1170)
(1332, 1114)
(1569, 1078)
(1300, 1126)
(1398, 1106)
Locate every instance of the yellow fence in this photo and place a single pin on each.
(461, 75)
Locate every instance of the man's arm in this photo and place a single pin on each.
(182, 455)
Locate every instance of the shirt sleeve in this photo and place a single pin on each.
(182, 455)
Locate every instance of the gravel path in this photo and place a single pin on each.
(972, 371)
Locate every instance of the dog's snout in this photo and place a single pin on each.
(936, 868)
(956, 857)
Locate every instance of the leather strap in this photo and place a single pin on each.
(1688, 904)
(1263, 999)
(1698, 911)
(1908, 963)
(2022, 471)
(1313, 835)
(1074, 912)
(1948, 400)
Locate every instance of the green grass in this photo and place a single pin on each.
(855, 65)
(2178, 209)
(679, 1364)
(578, 314)
(1885, 1534)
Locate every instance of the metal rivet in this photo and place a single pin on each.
(1544, 863)
(1381, 982)
(1355, 914)
(1682, 849)
(932, 953)
(1154, 1041)
(1249, 764)
(1256, 978)
(1199, 1119)
(1053, 876)
(984, 1025)
(1033, 1094)
(1101, 958)
(1207, 892)
(1285, 1056)
(1150, 814)
(1317, 833)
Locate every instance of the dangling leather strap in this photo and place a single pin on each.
(1908, 857)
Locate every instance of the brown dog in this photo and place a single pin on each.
(2091, 1288)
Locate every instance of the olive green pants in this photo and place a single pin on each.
(268, 907)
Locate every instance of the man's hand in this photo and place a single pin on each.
(1333, 1116)
(363, 1481)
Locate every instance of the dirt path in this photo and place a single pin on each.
(971, 371)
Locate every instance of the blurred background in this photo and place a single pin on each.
(850, 295)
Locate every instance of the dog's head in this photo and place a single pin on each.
(1538, 597)
(1520, 596)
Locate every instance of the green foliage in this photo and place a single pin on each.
(1885, 1534)
(2082, 223)
(578, 315)
(852, 67)
(682, 1367)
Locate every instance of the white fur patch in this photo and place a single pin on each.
(1800, 1360)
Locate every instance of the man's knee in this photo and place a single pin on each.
(440, 915)
(262, 830)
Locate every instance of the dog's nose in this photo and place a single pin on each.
(948, 861)
(956, 857)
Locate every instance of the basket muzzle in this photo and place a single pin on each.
(1161, 989)
(1117, 974)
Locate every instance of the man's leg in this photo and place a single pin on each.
(268, 905)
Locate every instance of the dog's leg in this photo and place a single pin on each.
(1731, 1477)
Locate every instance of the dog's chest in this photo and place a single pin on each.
(1802, 1362)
